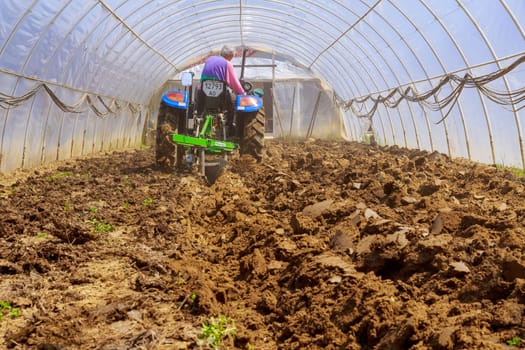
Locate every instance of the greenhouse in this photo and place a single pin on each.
(271, 174)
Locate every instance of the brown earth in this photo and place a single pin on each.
(323, 245)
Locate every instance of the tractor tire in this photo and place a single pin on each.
(252, 142)
(169, 155)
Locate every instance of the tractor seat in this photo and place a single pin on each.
(213, 94)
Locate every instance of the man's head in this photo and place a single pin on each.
(227, 52)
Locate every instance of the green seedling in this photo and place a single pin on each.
(518, 172)
(100, 226)
(7, 310)
(214, 332)
(91, 210)
(41, 235)
(179, 280)
(147, 201)
(104, 227)
(514, 342)
(59, 175)
(7, 191)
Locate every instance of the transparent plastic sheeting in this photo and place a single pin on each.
(303, 109)
(127, 49)
(473, 128)
(302, 106)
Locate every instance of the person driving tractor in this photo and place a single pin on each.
(220, 68)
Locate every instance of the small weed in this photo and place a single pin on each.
(100, 226)
(59, 175)
(147, 201)
(41, 235)
(7, 310)
(67, 206)
(126, 205)
(213, 333)
(179, 280)
(104, 227)
(91, 210)
(7, 191)
(14, 312)
(514, 342)
(518, 172)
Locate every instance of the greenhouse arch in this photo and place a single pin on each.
(81, 77)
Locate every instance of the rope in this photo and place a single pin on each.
(515, 98)
(80, 106)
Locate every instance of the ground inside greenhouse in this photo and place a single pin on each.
(322, 245)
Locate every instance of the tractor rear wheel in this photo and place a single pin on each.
(253, 134)
(169, 155)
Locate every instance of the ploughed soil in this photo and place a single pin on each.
(322, 245)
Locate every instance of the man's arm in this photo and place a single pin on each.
(232, 80)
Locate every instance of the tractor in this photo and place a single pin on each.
(193, 134)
